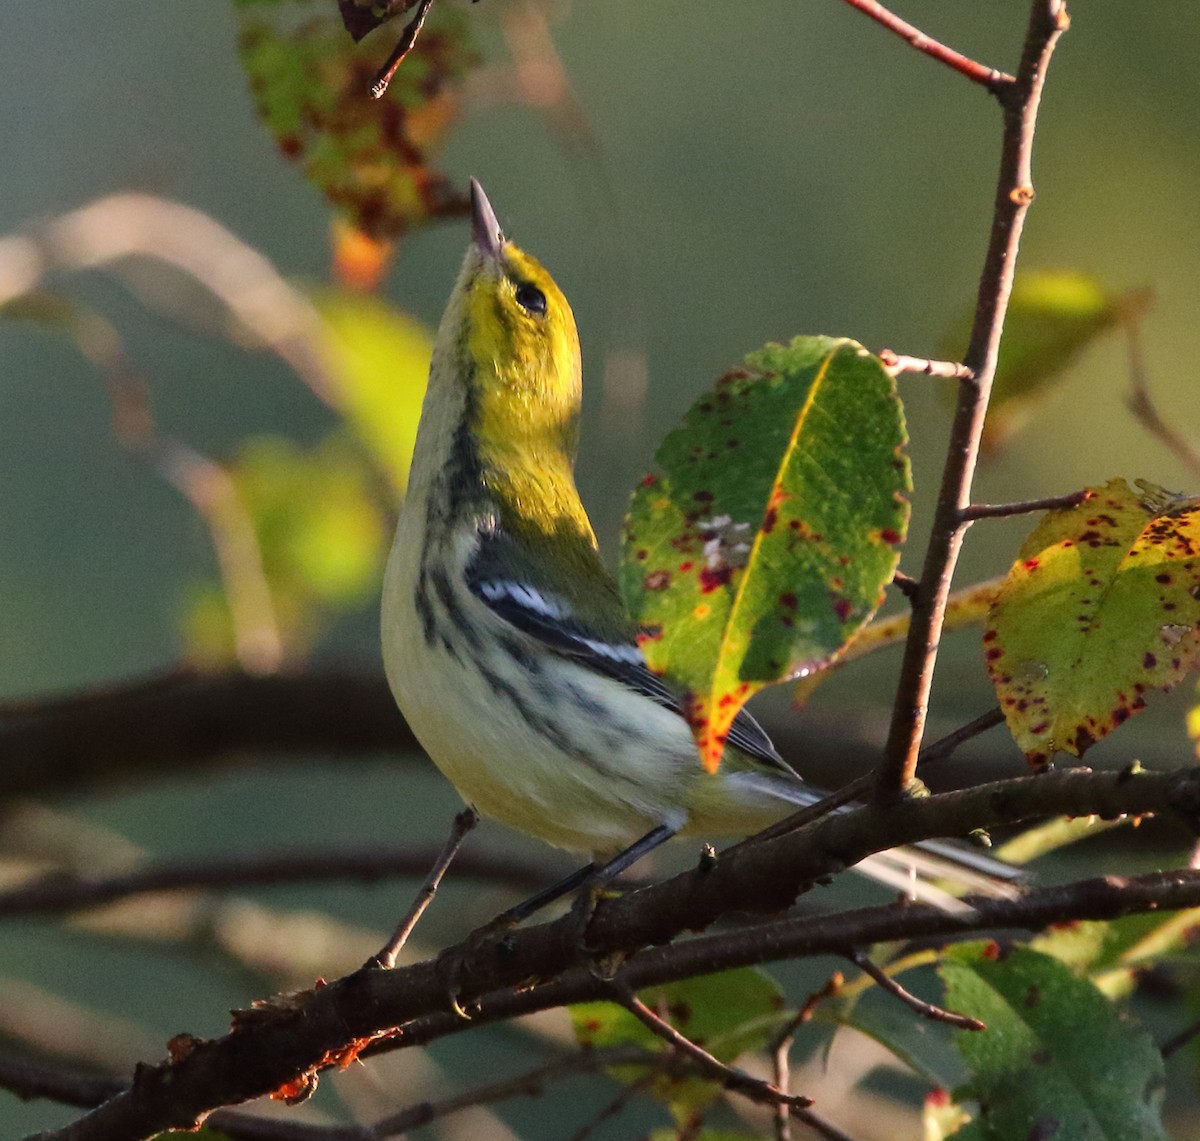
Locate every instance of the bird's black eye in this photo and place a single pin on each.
(531, 299)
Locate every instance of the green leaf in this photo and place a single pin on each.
(776, 521)
(1110, 953)
(1053, 316)
(1101, 607)
(369, 157)
(378, 360)
(1057, 1059)
(729, 1014)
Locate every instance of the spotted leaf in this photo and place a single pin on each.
(1057, 1059)
(771, 529)
(1101, 608)
(371, 158)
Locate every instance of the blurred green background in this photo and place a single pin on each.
(747, 173)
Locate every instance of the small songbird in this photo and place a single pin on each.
(505, 641)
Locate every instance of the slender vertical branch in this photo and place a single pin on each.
(1014, 193)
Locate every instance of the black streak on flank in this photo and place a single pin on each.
(454, 610)
(424, 608)
(543, 726)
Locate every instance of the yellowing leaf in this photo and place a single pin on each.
(777, 520)
(1101, 607)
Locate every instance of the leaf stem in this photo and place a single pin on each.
(463, 823)
(1014, 193)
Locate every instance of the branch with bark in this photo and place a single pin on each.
(292, 1038)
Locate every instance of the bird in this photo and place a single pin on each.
(505, 641)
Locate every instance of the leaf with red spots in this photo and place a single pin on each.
(369, 157)
(767, 539)
(1101, 608)
(1057, 1059)
(729, 1014)
(1052, 317)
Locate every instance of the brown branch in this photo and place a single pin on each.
(945, 746)
(530, 1084)
(860, 787)
(500, 979)
(1002, 510)
(988, 77)
(169, 723)
(406, 43)
(1014, 193)
(1177, 1041)
(728, 1077)
(779, 1049)
(29, 1079)
(925, 1009)
(464, 822)
(61, 891)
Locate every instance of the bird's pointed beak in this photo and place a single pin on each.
(485, 230)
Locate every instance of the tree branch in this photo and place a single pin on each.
(1014, 193)
(60, 892)
(182, 717)
(276, 1042)
(988, 77)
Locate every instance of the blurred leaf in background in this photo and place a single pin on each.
(1053, 316)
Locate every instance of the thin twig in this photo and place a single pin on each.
(729, 1077)
(988, 77)
(1001, 510)
(1141, 403)
(1014, 193)
(896, 363)
(1177, 1041)
(918, 1005)
(860, 787)
(533, 1083)
(62, 891)
(622, 1098)
(463, 823)
(406, 43)
(905, 584)
(944, 746)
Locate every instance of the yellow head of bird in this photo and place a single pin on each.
(520, 341)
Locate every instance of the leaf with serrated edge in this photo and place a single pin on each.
(1057, 1058)
(767, 539)
(1101, 607)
